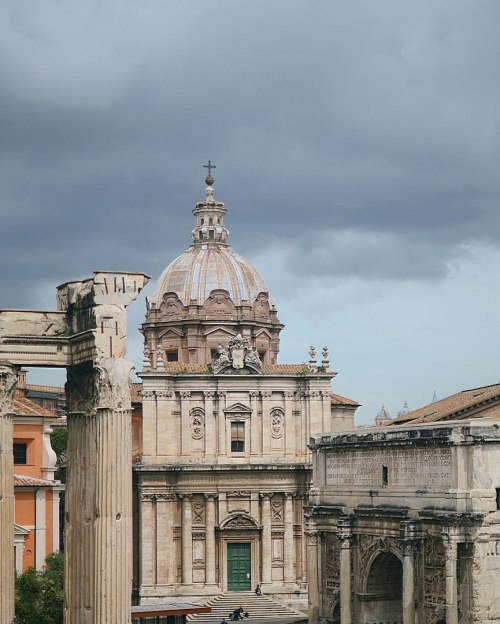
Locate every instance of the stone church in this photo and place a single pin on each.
(225, 469)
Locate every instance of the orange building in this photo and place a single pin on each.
(36, 531)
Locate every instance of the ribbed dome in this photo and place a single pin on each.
(203, 268)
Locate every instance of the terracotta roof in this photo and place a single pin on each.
(22, 480)
(26, 407)
(41, 388)
(340, 400)
(465, 404)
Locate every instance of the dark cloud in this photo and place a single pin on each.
(360, 138)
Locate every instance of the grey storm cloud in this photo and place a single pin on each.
(367, 130)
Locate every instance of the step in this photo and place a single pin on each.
(260, 608)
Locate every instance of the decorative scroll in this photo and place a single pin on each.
(277, 510)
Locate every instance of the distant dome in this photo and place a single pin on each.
(383, 416)
(205, 267)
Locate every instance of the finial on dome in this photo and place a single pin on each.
(209, 180)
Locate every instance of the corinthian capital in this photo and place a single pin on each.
(8, 381)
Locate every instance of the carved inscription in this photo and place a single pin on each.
(412, 467)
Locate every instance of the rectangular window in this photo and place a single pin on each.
(237, 437)
(498, 497)
(20, 453)
(172, 356)
(385, 475)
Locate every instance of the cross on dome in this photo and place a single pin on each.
(209, 179)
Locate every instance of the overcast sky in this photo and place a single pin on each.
(357, 147)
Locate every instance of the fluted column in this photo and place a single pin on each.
(98, 556)
(266, 546)
(210, 539)
(451, 581)
(288, 541)
(408, 583)
(8, 380)
(187, 540)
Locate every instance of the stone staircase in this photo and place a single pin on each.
(259, 608)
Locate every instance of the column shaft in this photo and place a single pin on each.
(266, 546)
(163, 547)
(98, 563)
(408, 585)
(312, 565)
(187, 541)
(451, 583)
(8, 380)
(345, 582)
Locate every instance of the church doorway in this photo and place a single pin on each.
(238, 566)
(383, 600)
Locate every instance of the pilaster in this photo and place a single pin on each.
(187, 539)
(289, 424)
(345, 536)
(312, 537)
(210, 539)
(210, 432)
(451, 578)
(266, 545)
(288, 541)
(266, 423)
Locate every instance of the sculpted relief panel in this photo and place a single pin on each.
(412, 467)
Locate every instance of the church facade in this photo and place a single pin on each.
(222, 483)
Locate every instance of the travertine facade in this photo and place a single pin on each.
(404, 525)
(225, 467)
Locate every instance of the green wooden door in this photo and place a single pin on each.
(238, 567)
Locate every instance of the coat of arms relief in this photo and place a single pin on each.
(238, 357)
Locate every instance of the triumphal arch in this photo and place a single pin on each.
(87, 336)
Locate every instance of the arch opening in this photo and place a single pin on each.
(383, 599)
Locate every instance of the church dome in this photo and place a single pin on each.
(206, 267)
(209, 263)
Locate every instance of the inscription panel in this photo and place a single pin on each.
(391, 467)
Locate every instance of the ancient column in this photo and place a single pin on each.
(408, 583)
(98, 529)
(313, 571)
(288, 541)
(266, 546)
(345, 579)
(451, 581)
(8, 380)
(210, 539)
(187, 540)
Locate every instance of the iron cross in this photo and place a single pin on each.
(209, 167)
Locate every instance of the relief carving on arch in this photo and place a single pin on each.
(197, 423)
(332, 570)
(434, 577)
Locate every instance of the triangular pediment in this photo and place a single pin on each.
(172, 331)
(19, 530)
(222, 330)
(237, 408)
(263, 331)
